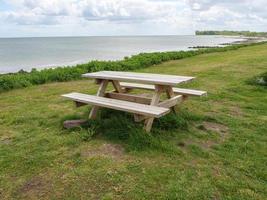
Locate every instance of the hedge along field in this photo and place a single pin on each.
(61, 74)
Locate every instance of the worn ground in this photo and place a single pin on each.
(214, 149)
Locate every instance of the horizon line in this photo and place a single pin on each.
(57, 36)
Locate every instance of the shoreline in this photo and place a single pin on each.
(248, 40)
(242, 40)
(63, 74)
(18, 66)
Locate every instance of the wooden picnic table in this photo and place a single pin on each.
(143, 108)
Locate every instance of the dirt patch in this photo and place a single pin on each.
(33, 184)
(203, 144)
(207, 144)
(107, 150)
(6, 140)
(221, 129)
(35, 187)
(235, 111)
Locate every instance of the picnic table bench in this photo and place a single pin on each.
(143, 108)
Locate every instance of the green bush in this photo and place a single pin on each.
(24, 79)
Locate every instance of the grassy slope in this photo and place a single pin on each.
(40, 160)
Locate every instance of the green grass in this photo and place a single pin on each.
(215, 148)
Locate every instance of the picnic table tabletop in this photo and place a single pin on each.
(157, 79)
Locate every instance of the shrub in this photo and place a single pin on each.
(142, 60)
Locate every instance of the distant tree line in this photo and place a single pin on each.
(234, 33)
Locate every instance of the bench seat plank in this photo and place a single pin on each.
(136, 108)
(182, 91)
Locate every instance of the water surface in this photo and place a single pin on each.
(28, 53)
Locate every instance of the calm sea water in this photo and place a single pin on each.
(28, 53)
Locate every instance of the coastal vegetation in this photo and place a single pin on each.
(62, 74)
(214, 148)
(232, 33)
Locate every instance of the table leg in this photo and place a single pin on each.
(119, 89)
(117, 86)
(170, 94)
(154, 102)
(101, 93)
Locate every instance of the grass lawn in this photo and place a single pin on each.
(215, 148)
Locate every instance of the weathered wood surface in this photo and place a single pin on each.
(101, 92)
(137, 108)
(182, 91)
(170, 94)
(128, 97)
(171, 102)
(154, 102)
(156, 79)
(116, 85)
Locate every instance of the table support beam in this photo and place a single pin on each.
(170, 94)
(117, 86)
(128, 97)
(100, 93)
(155, 100)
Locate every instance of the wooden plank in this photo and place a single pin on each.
(157, 79)
(117, 87)
(170, 94)
(189, 92)
(100, 93)
(137, 108)
(165, 104)
(154, 102)
(182, 91)
(129, 97)
(171, 102)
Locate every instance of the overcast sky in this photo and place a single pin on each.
(20, 18)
